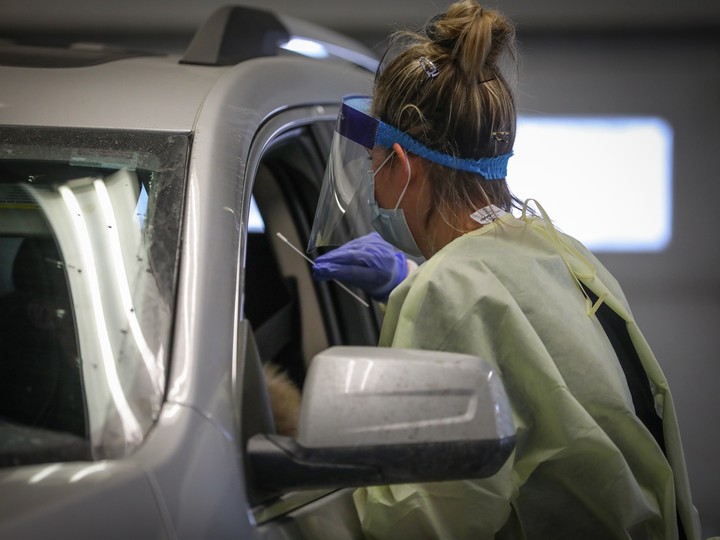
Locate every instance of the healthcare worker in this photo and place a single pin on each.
(598, 452)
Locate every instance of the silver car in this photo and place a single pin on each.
(145, 280)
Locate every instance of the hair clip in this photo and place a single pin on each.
(429, 68)
(500, 136)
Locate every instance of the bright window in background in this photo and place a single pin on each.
(607, 181)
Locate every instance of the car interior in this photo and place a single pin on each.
(293, 317)
(41, 392)
(43, 408)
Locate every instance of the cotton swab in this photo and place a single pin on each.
(308, 259)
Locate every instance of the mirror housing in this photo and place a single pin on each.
(375, 415)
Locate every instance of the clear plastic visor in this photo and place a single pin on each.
(343, 210)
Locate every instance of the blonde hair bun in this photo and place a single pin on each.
(472, 36)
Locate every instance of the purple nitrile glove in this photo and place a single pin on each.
(368, 262)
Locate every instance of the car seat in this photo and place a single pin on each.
(40, 375)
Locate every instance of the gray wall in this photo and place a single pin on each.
(675, 294)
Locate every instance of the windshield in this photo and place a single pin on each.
(89, 237)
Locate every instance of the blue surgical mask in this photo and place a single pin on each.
(391, 224)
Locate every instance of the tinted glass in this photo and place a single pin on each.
(89, 229)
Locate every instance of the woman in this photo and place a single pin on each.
(598, 451)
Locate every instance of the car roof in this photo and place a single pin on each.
(90, 86)
(148, 93)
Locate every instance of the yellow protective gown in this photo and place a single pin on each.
(585, 467)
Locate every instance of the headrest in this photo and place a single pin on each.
(38, 268)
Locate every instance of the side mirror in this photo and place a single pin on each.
(379, 416)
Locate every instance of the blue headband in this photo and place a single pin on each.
(491, 168)
(358, 125)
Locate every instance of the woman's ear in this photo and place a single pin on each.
(404, 161)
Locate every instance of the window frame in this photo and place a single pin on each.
(331, 300)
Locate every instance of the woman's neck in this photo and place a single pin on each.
(439, 233)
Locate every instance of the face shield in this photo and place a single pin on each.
(343, 210)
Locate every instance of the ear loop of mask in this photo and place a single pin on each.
(407, 184)
(402, 153)
(377, 171)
